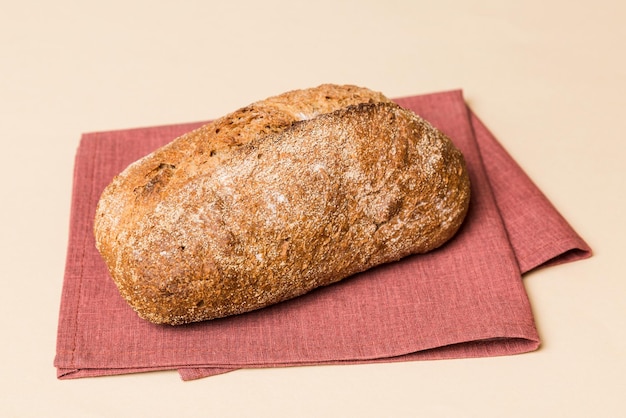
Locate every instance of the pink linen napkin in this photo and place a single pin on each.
(465, 299)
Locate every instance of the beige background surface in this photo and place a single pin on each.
(548, 77)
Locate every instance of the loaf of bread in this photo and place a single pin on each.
(276, 199)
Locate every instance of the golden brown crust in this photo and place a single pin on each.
(283, 196)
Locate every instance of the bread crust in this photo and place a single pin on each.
(283, 196)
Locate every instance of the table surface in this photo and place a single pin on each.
(548, 78)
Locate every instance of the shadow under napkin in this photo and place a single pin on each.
(465, 299)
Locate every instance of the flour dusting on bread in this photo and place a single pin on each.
(280, 197)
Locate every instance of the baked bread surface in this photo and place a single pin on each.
(278, 198)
